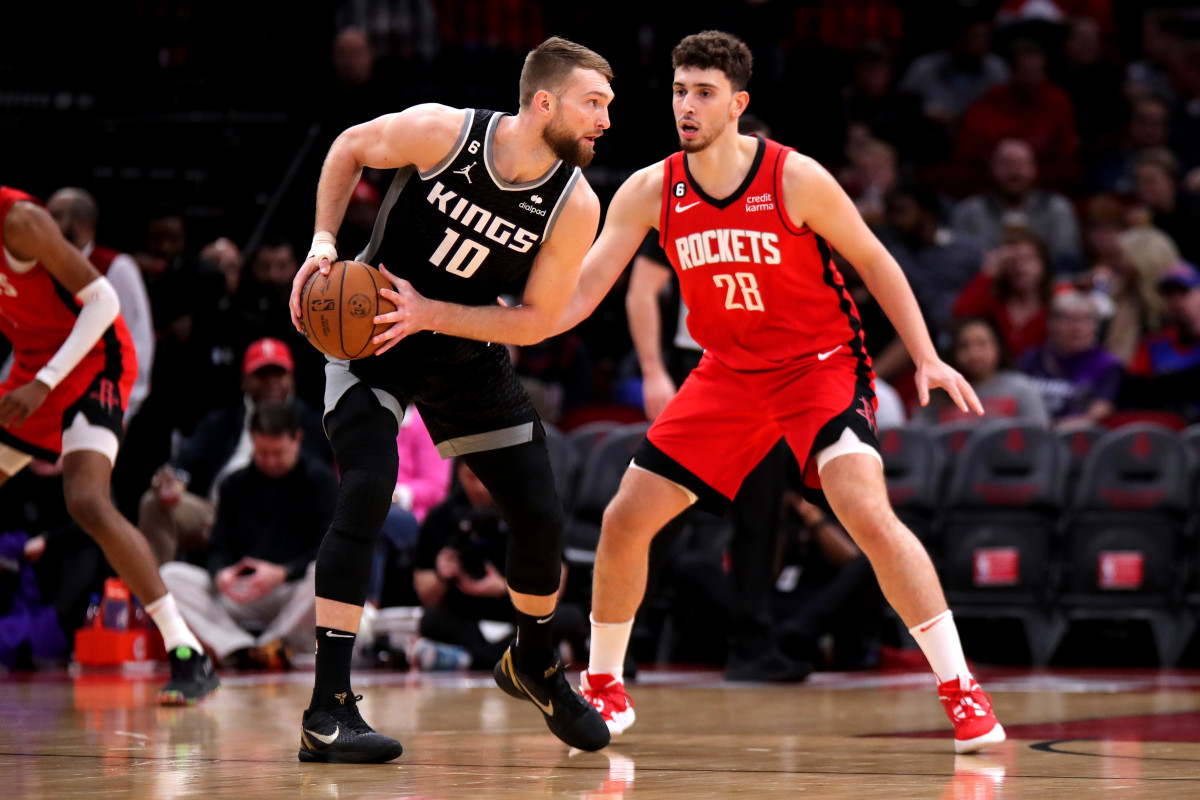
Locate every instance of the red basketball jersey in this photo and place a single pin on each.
(36, 312)
(760, 291)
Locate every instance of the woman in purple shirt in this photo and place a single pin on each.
(1077, 377)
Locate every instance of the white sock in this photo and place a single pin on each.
(938, 640)
(174, 630)
(610, 640)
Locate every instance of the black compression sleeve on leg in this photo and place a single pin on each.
(521, 482)
(363, 436)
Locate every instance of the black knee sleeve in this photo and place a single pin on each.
(522, 485)
(363, 437)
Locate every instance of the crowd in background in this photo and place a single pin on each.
(1034, 167)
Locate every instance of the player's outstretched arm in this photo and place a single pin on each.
(30, 233)
(551, 281)
(422, 135)
(814, 198)
(631, 214)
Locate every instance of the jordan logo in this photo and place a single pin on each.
(466, 171)
(867, 412)
(341, 698)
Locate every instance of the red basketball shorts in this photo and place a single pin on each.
(97, 388)
(722, 422)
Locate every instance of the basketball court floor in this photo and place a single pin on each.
(1073, 733)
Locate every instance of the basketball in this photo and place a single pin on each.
(337, 309)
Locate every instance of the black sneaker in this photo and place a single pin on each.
(338, 735)
(192, 678)
(568, 715)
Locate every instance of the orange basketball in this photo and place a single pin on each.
(337, 309)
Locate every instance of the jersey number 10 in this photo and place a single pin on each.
(468, 249)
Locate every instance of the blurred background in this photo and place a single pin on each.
(1034, 166)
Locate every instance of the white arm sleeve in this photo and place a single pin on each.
(99, 307)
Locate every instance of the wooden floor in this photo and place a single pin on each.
(1124, 734)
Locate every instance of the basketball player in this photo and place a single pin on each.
(480, 200)
(73, 368)
(748, 226)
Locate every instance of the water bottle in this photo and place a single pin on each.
(92, 619)
(115, 606)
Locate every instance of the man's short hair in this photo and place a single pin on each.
(716, 50)
(274, 419)
(550, 64)
(81, 205)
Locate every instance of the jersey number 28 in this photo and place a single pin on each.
(749, 286)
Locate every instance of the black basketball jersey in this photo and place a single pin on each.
(461, 233)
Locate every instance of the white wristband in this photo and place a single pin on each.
(324, 245)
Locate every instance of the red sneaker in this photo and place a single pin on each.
(970, 709)
(607, 695)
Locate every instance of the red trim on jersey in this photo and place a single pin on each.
(781, 206)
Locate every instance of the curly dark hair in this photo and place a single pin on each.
(716, 50)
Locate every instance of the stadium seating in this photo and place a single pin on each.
(1125, 553)
(999, 530)
(913, 464)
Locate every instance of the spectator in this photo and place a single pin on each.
(76, 213)
(262, 311)
(1160, 48)
(459, 579)
(1078, 378)
(256, 602)
(1156, 181)
(1165, 372)
(1144, 254)
(556, 373)
(826, 586)
(1016, 200)
(1104, 217)
(1148, 126)
(873, 108)
(949, 81)
(178, 509)
(422, 482)
(1092, 79)
(869, 176)
(938, 261)
(1012, 290)
(1029, 108)
(977, 351)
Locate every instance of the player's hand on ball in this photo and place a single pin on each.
(408, 316)
(321, 256)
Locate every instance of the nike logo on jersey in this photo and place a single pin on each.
(325, 739)
(727, 246)
(679, 209)
(823, 356)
